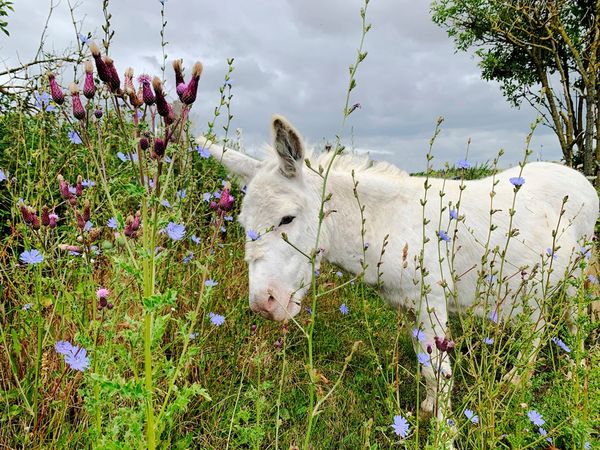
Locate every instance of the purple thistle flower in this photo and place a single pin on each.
(175, 231)
(74, 137)
(31, 257)
(443, 236)
(561, 344)
(103, 72)
(474, 418)
(517, 181)
(253, 235)
(149, 97)
(400, 426)
(463, 164)
(424, 359)
(344, 309)
(210, 283)
(535, 417)
(216, 319)
(189, 95)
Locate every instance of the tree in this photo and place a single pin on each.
(542, 52)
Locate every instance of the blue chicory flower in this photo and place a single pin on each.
(401, 426)
(31, 257)
(175, 231)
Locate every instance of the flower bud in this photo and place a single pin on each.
(101, 68)
(429, 349)
(80, 221)
(102, 302)
(55, 90)
(189, 95)
(213, 205)
(110, 305)
(53, 218)
(86, 210)
(178, 68)
(89, 87)
(98, 113)
(35, 221)
(114, 81)
(128, 83)
(25, 213)
(147, 93)
(450, 347)
(144, 143)
(78, 111)
(170, 117)
(64, 188)
(162, 107)
(45, 215)
(181, 89)
(159, 148)
(79, 186)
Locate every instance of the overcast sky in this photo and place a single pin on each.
(292, 58)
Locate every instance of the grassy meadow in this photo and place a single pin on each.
(124, 318)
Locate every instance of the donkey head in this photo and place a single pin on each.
(281, 203)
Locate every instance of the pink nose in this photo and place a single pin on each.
(264, 307)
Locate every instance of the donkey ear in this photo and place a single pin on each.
(289, 147)
(240, 164)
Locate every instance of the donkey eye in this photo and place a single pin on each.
(286, 219)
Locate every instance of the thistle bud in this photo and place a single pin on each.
(86, 211)
(79, 186)
(226, 200)
(429, 349)
(144, 143)
(162, 107)
(213, 205)
(147, 93)
(181, 87)
(89, 87)
(98, 113)
(35, 221)
(178, 68)
(114, 81)
(102, 302)
(80, 221)
(189, 95)
(45, 215)
(53, 218)
(63, 187)
(55, 90)
(94, 234)
(128, 83)
(70, 248)
(159, 148)
(101, 68)
(441, 344)
(25, 213)
(78, 111)
(170, 117)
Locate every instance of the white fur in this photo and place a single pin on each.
(279, 274)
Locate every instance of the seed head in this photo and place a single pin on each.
(128, 83)
(162, 107)
(103, 72)
(189, 95)
(57, 94)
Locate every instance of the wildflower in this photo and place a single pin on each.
(83, 38)
(488, 341)
(112, 223)
(535, 417)
(308, 310)
(113, 81)
(226, 200)
(592, 279)
(206, 196)
(98, 113)
(474, 418)
(339, 274)
(587, 445)
(204, 153)
(424, 359)
(444, 236)
(89, 87)
(463, 164)
(210, 283)
(159, 148)
(490, 278)
(344, 309)
(179, 80)
(165, 203)
(586, 252)
(27, 306)
(400, 426)
(77, 359)
(544, 433)
(144, 143)
(3, 175)
(450, 422)
(88, 183)
(453, 214)
(102, 293)
(148, 95)
(216, 319)
(31, 257)
(550, 253)
(162, 106)
(188, 257)
(175, 231)
(74, 137)
(517, 181)
(63, 347)
(253, 235)
(561, 344)
(195, 239)
(418, 334)
(367, 245)
(228, 218)
(57, 94)
(101, 68)
(42, 101)
(78, 111)
(181, 194)
(189, 95)
(493, 316)
(217, 194)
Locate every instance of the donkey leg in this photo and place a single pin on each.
(523, 369)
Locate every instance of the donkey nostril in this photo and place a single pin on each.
(271, 299)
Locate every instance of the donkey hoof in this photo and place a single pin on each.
(427, 406)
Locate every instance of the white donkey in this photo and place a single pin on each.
(284, 196)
